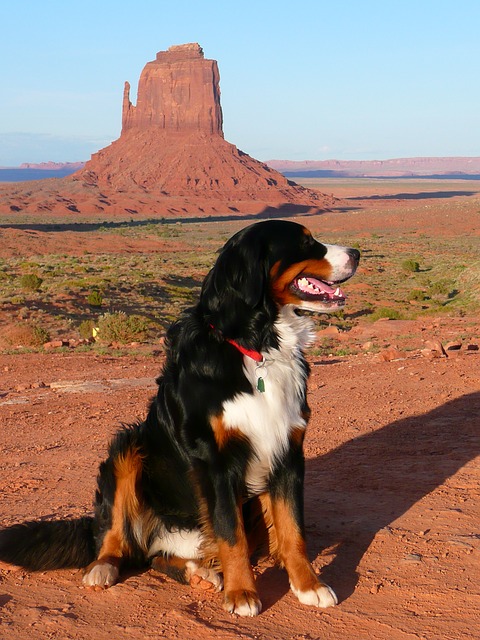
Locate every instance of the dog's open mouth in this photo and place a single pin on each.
(309, 288)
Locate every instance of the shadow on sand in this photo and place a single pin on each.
(358, 489)
(421, 195)
(282, 211)
(365, 484)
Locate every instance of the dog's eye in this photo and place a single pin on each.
(308, 241)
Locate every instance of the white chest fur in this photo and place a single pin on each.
(267, 418)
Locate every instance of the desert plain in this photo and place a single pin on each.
(392, 480)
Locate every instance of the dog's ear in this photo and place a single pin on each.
(237, 285)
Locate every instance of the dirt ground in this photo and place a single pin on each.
(392, 479)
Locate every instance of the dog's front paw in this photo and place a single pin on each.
(203, 577)
(243, 603)
(321, 596)
(100, 575)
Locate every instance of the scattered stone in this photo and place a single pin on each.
(55, 344)
(433, 349)
(328, 331)
(472, 347)
(367, 346)
(453, 346)
(388, 355)
(413, 557)
(23, 387)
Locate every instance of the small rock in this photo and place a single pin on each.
(55, 344)
(376, 588)
(328, 331)
(413, 557)
(429, 354)
(435, 345)
(367, 346)
(453, 346)
(388, 355)
(39, 385)
(23, 387)
(433, 349)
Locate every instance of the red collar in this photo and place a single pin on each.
(255, 355)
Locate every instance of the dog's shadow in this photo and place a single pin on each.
(364, 485)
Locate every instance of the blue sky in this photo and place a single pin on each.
(342, 79)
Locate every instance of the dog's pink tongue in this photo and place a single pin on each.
(312, 286)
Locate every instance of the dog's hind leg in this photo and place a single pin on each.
(117, 544)
(188, 572)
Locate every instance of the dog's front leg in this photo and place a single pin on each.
(239, 584)
(221, 470)
(285, 504)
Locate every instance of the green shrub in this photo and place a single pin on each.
(417, 294)
(95, 298)
(86, 329)
(440, 287)
(40, 335)
(120, 327)
(385, 312)
(26, 335)
(411, 266)
(31, 282)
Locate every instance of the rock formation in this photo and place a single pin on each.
(171, 158)
(179, 91)
(172, 140)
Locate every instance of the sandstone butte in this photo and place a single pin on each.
(171, 157)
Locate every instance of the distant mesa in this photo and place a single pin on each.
(172, 140)
(449, 167)
(171, 157)
(53, 166)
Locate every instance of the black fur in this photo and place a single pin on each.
(46, 545)
(185, 475)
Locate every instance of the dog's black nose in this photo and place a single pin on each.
(354, 254)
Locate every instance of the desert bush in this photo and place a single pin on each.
(95, 298)
(411, 266)
(469, 282)
(417, 294)
(30, 281)
(385, 312)
(120, 327)
(26, 335)
(85, 329)
(440, 287)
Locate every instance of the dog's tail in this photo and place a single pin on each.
(56, 544)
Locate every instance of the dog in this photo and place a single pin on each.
(216, 470)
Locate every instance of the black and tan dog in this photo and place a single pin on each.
(218, 463)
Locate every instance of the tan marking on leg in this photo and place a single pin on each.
(126, 506)
(293, 555)
(292, 550)
(239, 583)
(259, 527)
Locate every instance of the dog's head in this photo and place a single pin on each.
(269, 265)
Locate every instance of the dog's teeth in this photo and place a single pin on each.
(337, 292)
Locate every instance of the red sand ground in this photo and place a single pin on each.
(392, 481)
